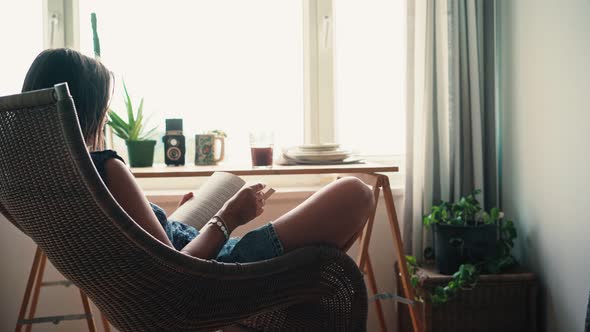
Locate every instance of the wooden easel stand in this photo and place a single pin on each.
(381, 182)
(34, 285)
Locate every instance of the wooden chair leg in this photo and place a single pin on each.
(30, 284)
(88, 312)
(37, 288)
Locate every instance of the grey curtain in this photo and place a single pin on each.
(451, 122)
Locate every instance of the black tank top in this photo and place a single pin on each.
(99, 158)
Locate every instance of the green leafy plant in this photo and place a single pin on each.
(133, 128)
(95, 39)
(464, 278)
(467, 211)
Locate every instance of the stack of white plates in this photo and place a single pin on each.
(318, 154)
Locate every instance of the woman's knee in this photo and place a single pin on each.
(360, 195)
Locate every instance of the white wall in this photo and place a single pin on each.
(17, 251)
(545, 55)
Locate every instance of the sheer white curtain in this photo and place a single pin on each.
(450, 108)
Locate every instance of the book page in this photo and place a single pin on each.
(219, 188)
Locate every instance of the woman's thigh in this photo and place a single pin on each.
(330, 216)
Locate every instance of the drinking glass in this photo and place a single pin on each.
(261, 148)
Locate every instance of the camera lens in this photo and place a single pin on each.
(173, 142)
(173, 153)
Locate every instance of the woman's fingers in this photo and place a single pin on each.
(260, 198)
(258, 195)
(257, 187)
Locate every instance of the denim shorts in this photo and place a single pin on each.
(257, 245)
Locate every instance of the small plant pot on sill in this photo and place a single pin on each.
(458, 244)
(141, 153)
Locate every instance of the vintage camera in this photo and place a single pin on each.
(174, 143)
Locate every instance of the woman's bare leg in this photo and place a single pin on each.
(333, 215)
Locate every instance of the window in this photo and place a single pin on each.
(24, 17)
(312, 70)
(232, 65)
(369, 74)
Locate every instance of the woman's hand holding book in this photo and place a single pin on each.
(245, 205)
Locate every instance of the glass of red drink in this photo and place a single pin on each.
(261, 148)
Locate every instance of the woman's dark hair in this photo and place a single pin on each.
(89, 82)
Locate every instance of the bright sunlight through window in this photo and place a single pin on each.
(232, 65)
(235, 65)
(369, 79)
(21, 28)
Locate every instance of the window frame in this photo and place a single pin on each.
(64, 14)
(319, 120)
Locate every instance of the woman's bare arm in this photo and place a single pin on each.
(207, 244)
(126, 191)
(243, 207)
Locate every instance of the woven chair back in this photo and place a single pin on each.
(49, 186)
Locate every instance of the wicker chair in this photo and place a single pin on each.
(51, 191)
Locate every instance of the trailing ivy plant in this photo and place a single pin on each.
(466, 211)
(465, 277)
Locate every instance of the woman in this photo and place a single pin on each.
(332, 216)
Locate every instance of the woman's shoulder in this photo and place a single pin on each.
(100, 158)
(104, 155)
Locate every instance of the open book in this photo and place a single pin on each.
(207, 201)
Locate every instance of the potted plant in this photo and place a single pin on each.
(463, 233)
(468, 241)
(139, 147)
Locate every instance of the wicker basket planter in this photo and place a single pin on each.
(498, 303)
